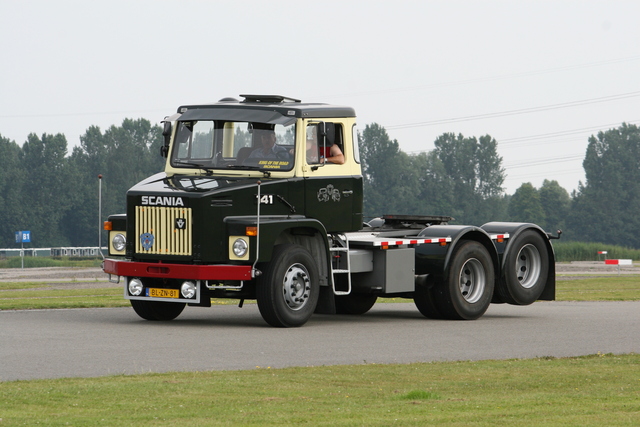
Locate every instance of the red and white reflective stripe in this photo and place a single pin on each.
(618, 261)
(499, 236)
(412, 241)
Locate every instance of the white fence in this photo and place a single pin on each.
(91, 251)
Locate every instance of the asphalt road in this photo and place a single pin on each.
(96, 342)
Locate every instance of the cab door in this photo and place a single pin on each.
(329, 199)
(330, 188)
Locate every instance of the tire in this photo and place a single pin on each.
(354, 303)
(424, 300)
(526, 268)
(288, 290)
(467, 292)
(157, 310)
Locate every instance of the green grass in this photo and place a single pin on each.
(581, 251)
(61, 298)
(615, 288)
(41, 295)
(36, 262)
(20, 285)
(595, 390)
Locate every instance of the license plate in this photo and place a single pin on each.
(162, 293)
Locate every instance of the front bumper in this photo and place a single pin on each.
(176, 271)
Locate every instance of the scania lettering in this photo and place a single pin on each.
(161, 201)
(250, 206)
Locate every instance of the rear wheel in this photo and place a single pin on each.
(467, 292)
(157, 310)
(355, 303)
(288, 291)
(526, 269)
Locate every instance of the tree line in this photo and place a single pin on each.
(54, 194)
(462, 177)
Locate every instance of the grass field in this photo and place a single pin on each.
(35, 262)
(587, 391)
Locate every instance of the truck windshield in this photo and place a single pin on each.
(213, 144)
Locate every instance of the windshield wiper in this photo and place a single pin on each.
(266, 173)
(197, 165)
(247, 167)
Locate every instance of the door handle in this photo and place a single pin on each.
(347, 192)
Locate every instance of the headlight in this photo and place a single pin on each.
(188, 289)
(118, 242)
(240, 247)
(135, 287)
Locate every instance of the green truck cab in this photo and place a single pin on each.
(262, 199)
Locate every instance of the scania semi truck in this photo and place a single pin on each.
(262, 199)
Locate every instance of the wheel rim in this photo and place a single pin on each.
(472, 280)
(296, 287)
(528, 266)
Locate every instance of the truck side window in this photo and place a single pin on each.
(195, 140)
(356, 144)
(328, 151)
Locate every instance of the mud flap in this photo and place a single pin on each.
(549, 292)
(326, 301)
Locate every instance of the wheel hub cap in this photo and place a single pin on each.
(472, 280)
(528, 266)
(296, 287)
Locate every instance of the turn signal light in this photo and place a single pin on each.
(251, 231)
(108, 225)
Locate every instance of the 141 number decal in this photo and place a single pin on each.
(266, 199)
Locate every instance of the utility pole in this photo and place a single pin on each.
(100, 215)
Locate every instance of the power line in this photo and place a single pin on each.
(545, 161)
(100, 113)
(509, 141)
(518, 111)
(520, 177)
(521, 140)
(392, 90)
(488, 78)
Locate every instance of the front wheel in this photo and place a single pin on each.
(467, 292)
(288, 291)
(157, 310)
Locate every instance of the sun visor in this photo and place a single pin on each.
(237, 115)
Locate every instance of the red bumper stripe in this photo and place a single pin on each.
(177, 271)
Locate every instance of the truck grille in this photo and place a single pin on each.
(162, 230)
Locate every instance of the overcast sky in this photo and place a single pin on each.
(538, 76)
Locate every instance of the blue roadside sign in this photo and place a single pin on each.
(23, 236)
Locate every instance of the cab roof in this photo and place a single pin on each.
(287, 108)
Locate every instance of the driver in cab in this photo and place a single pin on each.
(269, 149)
(325, 154)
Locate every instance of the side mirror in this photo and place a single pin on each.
(322, 129)
(166, 133)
